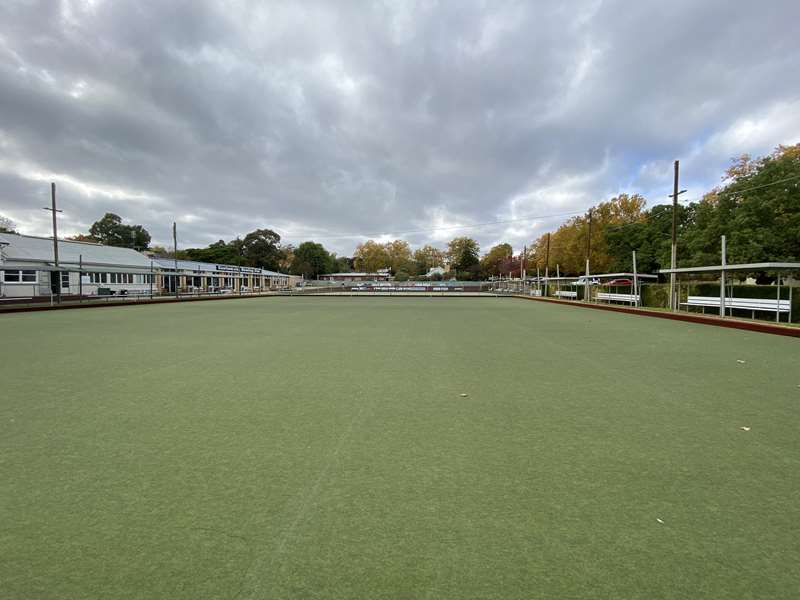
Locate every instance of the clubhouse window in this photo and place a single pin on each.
(20, 276)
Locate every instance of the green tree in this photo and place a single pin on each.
(371, 256)
(111, 231)
(261, 248)
(493, 262)
(464, 255)
(7, 225)
(758, 210)
(219, 252)
(400, 259)
(343, 264)
(287, 257)
(568, 242)
(428, 257)
(651, 238)
(311, 259)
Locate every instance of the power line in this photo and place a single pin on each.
(501, 222)
(758, 187)
(750, 189)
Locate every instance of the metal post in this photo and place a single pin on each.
(151, 279)
(547, 266)
(54, 210)
(175, 256)
(635, 282)
(722, 280)
(674, 247)
(55, 226)
(587, 293)
(80, 279)
(778, 307)
(558, 281)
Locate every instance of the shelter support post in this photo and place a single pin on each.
(558, 281)
(722, 280)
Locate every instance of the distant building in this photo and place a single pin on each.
(435, 271)
(379, 275)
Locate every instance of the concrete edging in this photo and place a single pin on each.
(731, 323)
(170, 300)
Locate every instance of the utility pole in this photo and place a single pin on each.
(56, 273)
(674, 254)
(588, 253)
(175, 255)
(547, 265)
(635, 281)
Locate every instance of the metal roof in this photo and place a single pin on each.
(23, 251)
(600, 276)
(353, 274)
(30, 249)
(765, 266)
(168, 264)
(184, 265)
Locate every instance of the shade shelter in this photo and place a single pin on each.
(566, 287)
(726, 302)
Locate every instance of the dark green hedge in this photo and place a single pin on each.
(655, 295)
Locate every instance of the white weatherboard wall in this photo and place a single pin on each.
(115, 268)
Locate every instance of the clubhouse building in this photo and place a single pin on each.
(199, 277)
(28, 270)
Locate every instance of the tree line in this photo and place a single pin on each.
(757, 206)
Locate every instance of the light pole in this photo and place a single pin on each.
(674, 254)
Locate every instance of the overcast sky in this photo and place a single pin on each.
(321, 120)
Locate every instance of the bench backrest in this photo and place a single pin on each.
(770, 304)
(620, 297)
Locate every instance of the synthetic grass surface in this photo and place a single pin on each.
(321, 448)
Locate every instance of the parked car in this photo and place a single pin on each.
(592, 281)
(621, 281)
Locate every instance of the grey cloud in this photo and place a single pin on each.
(321, 119)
